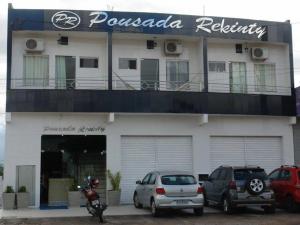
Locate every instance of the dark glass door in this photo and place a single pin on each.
(65, 68)
(149, 74)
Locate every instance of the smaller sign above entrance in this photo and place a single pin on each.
(73, 129)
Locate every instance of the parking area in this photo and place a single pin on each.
(249, 217)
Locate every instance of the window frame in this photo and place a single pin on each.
(88, 57)
(169, 84)
(264, 88)
(70, 83)
(214, 71)
(128, 59)
(47, 79)
(231, 84)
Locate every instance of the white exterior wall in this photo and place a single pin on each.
(23, 135)
(137, 49)
(134, 46)
(226, 52)
(90, 46)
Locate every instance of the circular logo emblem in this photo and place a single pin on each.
(65, 20)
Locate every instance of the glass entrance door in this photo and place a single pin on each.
(238, 81)
(65, 72)
(149, 74)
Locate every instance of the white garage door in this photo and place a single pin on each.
(239, 151)
(142, 154)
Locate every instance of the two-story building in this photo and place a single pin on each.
(133, 92)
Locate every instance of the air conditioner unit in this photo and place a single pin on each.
(173, 47)
(259, 53)
(34, 45)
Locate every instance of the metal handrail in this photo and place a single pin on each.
(193, 85)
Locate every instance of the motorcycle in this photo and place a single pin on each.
(93, 205)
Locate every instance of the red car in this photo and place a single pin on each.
(285, 181)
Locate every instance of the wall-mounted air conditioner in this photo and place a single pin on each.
(259, 53)
(34, 45)
(173, 47)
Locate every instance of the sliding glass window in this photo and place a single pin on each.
(36, 70)
(177, 75)
(265, 77)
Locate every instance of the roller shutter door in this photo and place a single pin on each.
(142, 154)
(239, 151)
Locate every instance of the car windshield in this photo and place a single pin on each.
(178, 180)
(244, 174)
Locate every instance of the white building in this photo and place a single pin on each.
(133, 92)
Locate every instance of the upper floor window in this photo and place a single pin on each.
(217, 67)
(88, 62)
(177, 74)
(36, 70)
(265, 77)
(125, 63)
(237, 77)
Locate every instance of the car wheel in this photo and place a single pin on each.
(154, 210)
(136, 202)
(291, 205)
(198, 211)
(227, 207)
(270, 209)
(255, 185)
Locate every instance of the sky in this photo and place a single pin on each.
(254, 9)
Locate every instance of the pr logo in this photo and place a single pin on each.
(65, 20)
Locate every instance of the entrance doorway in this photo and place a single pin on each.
(66, 161)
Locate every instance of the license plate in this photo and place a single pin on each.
(268, 195)
(182, 202)
(95, 202)
(254, 198)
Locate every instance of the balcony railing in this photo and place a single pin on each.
(79, 83)
(137, 84)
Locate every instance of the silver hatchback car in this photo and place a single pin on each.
(169, 189)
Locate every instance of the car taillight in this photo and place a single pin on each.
(160, 191)
(232, 185)
(200, 190)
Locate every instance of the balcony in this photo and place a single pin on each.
(66, 84)
(136, 83)
(130, 83)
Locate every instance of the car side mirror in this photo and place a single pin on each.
(138, 182)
